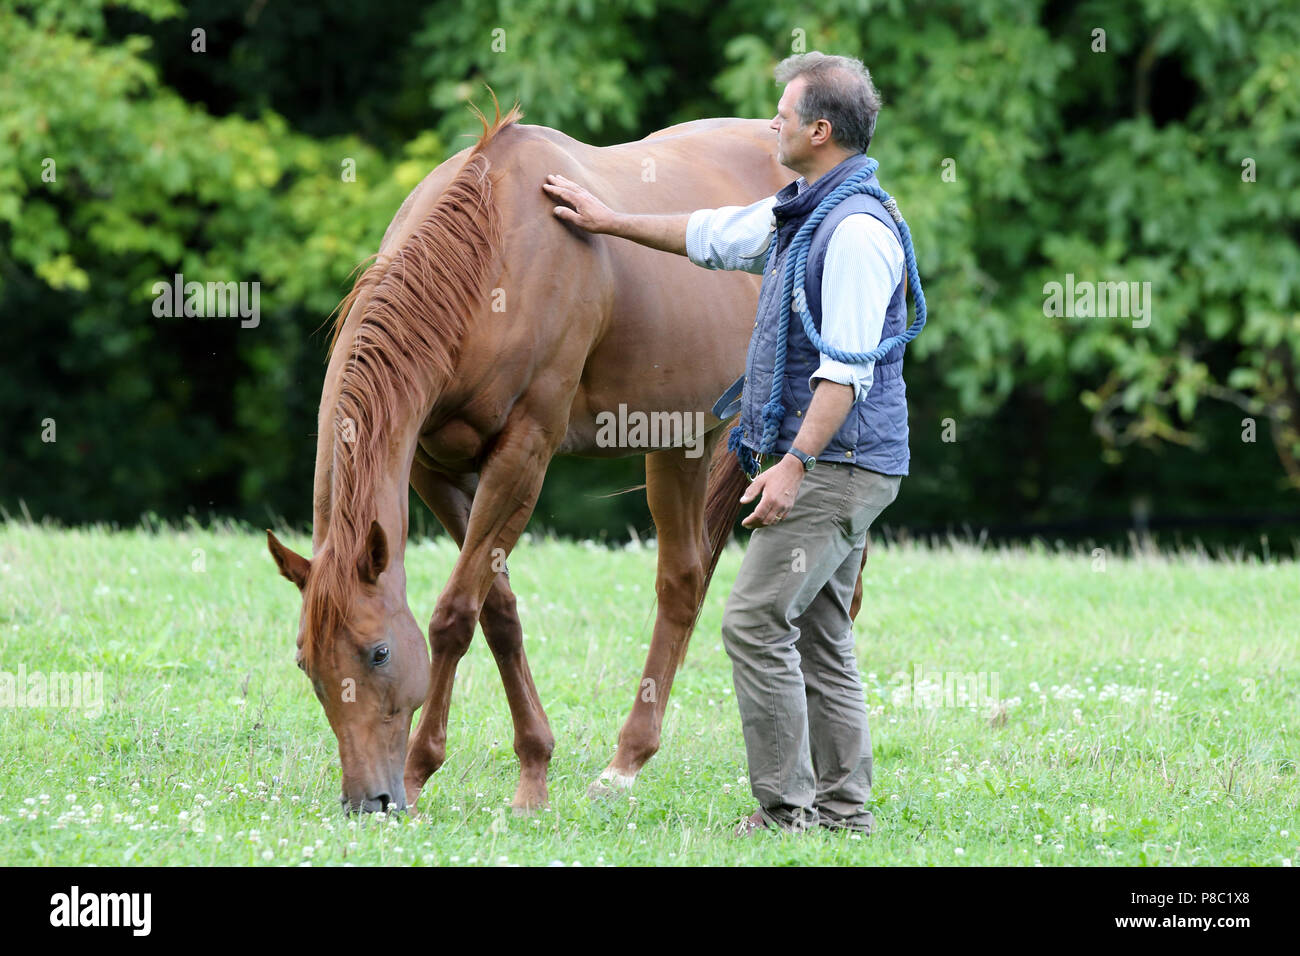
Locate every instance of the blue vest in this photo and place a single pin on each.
(874, 435)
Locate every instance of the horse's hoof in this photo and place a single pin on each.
(527, 801)
(611, 783)
(412, 795)
(597, 790)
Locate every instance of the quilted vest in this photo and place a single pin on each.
(874, 435)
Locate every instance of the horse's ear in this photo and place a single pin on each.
(291, 564)
(374, 556)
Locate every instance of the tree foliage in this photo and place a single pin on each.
(1107, 141)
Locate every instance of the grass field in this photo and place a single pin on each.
(1148, 713)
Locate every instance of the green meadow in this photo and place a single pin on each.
(1029, 706)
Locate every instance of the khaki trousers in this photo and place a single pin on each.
(788, 633)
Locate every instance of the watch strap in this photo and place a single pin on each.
(807, 460)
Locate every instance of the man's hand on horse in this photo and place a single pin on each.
(778, 486)
(583, 210)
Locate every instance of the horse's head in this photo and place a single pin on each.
(366, 658)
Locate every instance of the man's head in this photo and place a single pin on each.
(826, 114)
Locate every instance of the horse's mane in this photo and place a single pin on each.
(417, 302)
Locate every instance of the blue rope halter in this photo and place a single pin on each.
(793, 295)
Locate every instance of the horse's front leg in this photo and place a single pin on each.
(510, 480)
(451, 503)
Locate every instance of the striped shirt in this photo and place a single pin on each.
(864, 264)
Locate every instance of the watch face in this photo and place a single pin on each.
(808, 465)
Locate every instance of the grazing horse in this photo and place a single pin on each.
(485, 338)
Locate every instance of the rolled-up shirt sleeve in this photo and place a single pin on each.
(732, 237)
(864, 264)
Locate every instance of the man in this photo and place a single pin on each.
(786, 627)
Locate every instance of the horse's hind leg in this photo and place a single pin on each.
(675, 489)
(451, 502)
(509, 482)
(857, 588)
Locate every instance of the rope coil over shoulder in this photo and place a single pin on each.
(793, 296)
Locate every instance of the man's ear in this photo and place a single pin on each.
(291, 564)
(374, 556)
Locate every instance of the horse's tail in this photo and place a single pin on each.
(722, 505)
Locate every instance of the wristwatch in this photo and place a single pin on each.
(808, 460)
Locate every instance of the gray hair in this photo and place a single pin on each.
(839, 90)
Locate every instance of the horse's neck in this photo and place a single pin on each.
(389, 499)
(407, 316)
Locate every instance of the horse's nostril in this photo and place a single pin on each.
(375, 804)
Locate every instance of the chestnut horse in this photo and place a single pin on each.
(485, 338)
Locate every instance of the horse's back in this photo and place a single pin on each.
(719, 161)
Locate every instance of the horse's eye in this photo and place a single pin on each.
(380, 655)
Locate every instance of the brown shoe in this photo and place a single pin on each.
(751, 824)
(863, 824)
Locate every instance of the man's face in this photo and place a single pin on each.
(793, 139)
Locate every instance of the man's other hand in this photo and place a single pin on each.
(778, 485)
